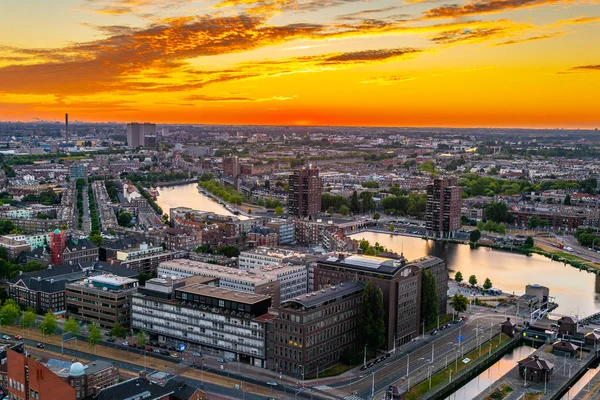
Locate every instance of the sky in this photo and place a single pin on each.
(451, 63)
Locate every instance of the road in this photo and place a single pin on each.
(411, 366)
(87, 224)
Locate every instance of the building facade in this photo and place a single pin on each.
(312, 331)
(304, 196)
(443, 209)
(137, 133)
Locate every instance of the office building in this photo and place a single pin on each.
(144, 258)
(312, 331)
(231, 166)
(305, 188)
(104, 299)
(443, 209)
(78, 171)
(438, 269)
(137, 133)
(235, 279)
(284, 228)
(218, 321)
(400, 283)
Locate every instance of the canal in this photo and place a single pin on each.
(574, 290)
(188, 196)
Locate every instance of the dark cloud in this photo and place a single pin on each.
(529, 39)
(585, 68)
(467, 35)
(483, 7)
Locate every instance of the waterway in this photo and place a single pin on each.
(575, 291)
(188, 196)
(492, 374)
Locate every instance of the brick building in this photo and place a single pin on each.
(305, 189)
(443, 210)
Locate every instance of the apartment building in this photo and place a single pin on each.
(312, 331)
(145, 258)
(224, 322)
(443, 209)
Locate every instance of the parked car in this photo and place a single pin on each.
(197, 354)
(369, 365)
(110, 339)
(174, 355)
(157, 351)
(133, 345)
(435, 332)
(6, 337)
(222, 360)
(39, 345)
(272, 383)
(363, 367)
(125, 343)
(164, 352)
(172, 348)
(18, 337)
(163, 346)
(148, 348)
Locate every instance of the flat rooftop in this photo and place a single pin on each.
(113, 280)
(365, 263)
(224, 294)
(324, 295)
(216, 271)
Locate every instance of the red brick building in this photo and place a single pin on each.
(444, 202)
(305, 189)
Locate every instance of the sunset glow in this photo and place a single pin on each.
(488, 63)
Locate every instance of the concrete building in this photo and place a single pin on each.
(399, 282)
(542, 293)
(13, 247)
(284, 228)
(214, 320)
(443, 210)
(77, 171)
(312, 331)
(137, 133)
(34, 241)
(259, 283)
(262, 236)
(144, 258)
(304, 196)
(104, 299)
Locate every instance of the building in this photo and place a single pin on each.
(144, 258)
(399, 282)
(542, 293)
(262, 236)
(58, 243)
(438, 269)
(78, 171)
(13, 247)
(110, 295)
(305, 189)
(180, 239)
(284, 228)
(45, 290)
(443, 210)
(312, 331)
(535, 369)
(224, 322)
(259, 283)
(137, 133)
(34, 241)
(231, 166)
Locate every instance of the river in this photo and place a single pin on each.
(573, 289)
(188, 196)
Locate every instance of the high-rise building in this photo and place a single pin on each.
(231, 166)
(137, 133)
(58, 243)
(305, 188)
(444, 201)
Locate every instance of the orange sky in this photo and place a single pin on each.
(485, 63)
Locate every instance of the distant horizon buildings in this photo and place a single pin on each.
(305, 190)
(443, 210)
(143, 135)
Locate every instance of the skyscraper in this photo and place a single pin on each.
(137, 133)
(305, 188)
(444, 200)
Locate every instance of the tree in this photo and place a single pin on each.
(143, 277)
(278, 210)
(376, 216)
(165, 219)
(71, 325)
(344, 210)
(567, 201)
(229, 251)
(475, 235)
(141, 340)
(430, 305)
(28, 319)
(487, 285)
(529, 242)
(118, 331)
(6, 226)
(9, 313)
(94, 337)
(371, 318)
(498, 212)
(458, 277)
(459, 303)
(354, 203)
(473, 280)
(97, 239)
(533, 222)
(124, 218)
(48, 325)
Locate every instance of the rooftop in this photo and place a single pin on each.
(365, 263)
(222, 293)
(327, 294)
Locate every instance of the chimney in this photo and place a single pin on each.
(67, 127)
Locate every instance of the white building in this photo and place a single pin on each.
(34, 241)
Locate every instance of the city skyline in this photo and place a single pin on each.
(503, 63)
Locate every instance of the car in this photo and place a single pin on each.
(378, 360)
(164, 352)
(133, 345)
(163, 346)
(153, 344)
(18, 337)
(148, 348)
(363, 367)
(6, 337)
(197, 354)
(222, 360)
(172, 348)
(272, 383)
(388, 355)
(435, 332)
(39, 345)
(125, 343)
(443, 327)
(110, 339)
(174, 355)
(369, 365)
(157, 351)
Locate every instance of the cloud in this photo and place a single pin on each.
(270, 7)
(118, 7)
(578, 21)
(236, 99)
(484, 7)
(586, 68)
(360, 15)
(468, 35)
(530, 39)
(387, 80)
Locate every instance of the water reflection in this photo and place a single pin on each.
(492, 374)
(574, 290)
(187, 196)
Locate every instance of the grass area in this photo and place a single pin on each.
(500, 393)
(444, 375)
(569, 258)
(533, 396)
(444, 319)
